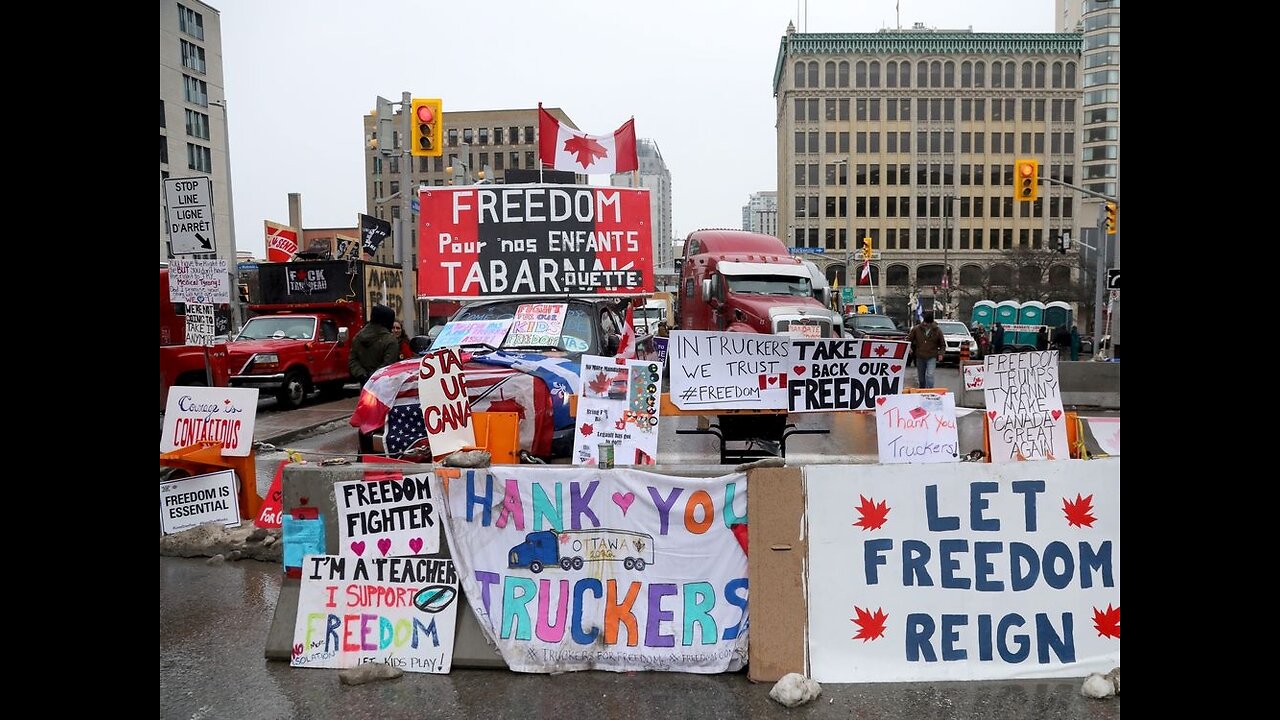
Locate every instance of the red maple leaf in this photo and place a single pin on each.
(599, 384)
(1107, 622)
(587, 429)
(586, 149)
(1077, 512)
(873, 515)
(870, 625)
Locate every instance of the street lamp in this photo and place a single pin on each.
(946, 250)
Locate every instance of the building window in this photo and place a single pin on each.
(949, 74)
(199, 158)
(191, 22)
(192, 56)
(979, 74)
(875, 73)
(935, 73)
(164, 150)
(499, 161)
(484, 136)
(195, 91)
(529, 160)
(514, 157)
(467, 135)
(830, 79)
(197, 124)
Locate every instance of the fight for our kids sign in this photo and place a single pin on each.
(581, 569)
(388, 517)
(994, 572)
(400, 611)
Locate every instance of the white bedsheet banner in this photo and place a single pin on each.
(995, 572)
(582, 569)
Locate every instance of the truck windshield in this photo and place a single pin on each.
(279, 328)
(769, 285)
(576, 337)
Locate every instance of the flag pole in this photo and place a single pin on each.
(538, 139)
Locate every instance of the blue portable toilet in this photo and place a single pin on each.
(1057, 314)
(1030, 313)
(984, 313)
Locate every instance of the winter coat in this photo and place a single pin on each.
(927, 340)
(372, 348)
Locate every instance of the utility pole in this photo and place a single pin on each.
(409, 282)
(237, 311)
(946, 251)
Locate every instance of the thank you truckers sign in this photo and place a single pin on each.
(502, 240)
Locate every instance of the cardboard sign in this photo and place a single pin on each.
(462, 333)
(216, 414)
(282, 241)
(975, 376)
(398, 611)
(387, 518)
(446, 410)
(618, 406)
(200, 324)
(843, 374)
(199, 281)
(728, 370)
(1024, 407)
(537, 325)
(917, 428)
(506, 240)
(269, 515)
(191, 501)
(991, 572)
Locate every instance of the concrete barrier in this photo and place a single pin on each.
(1084, 384)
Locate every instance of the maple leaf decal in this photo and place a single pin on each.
(1078, 511)
(870, 625)
(586, 149)
(599, 384)
(873, 515)
(587, 428)
(1107, 622)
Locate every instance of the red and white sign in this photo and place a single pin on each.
(564, 148)
(282, 242)
(216, 414)
(446, 410)
(506, 240)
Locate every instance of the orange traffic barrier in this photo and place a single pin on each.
(964, 352)
(934, 390)
(206, 457)
(499, 433)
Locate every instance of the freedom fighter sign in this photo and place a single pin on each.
(506, 240)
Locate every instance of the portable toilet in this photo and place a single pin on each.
(1007, 314)
(984, 313)
(1057, 314)
(1030, 313)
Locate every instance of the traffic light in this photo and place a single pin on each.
(1111, 218)
(386, 126)
(425, 126)
(1027, 174)
(866, 248)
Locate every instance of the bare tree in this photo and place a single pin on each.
(1032, 270)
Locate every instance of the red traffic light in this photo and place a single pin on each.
(425, 114)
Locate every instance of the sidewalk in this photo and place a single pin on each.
(281, 427)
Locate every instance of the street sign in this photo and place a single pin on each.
(846, 294)
(1113, 278)
(190, 203)
(807, 251)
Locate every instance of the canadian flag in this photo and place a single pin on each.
(562, 148)
(627, 345)
(864, 277)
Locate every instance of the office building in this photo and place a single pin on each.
(760, 214)
(654, 175)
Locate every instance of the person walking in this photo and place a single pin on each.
(1062, 342)
(373, 348)
(1075, 343)
(997, 339)
(929, 344)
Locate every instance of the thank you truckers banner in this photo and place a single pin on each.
(602, 569)
(500, 240)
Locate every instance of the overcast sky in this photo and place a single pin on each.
(697, 76)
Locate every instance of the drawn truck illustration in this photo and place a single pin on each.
(572, 548)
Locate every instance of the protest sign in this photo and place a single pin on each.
(728, 370)
(216, 414)
(996, 572)
(442, 396)
(393, 610)
(191, 501)
(581, 569)
(917, 428)
(200, 323)
(537, 325)
(388, 517)
(462, 333)
(199, 281)
(1024, 407)
(975, 376)
(618, 406)
(843, 374)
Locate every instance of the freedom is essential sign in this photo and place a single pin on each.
(504, 240)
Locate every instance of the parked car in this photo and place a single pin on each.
(957, 335)
(534, 381)
(877, 327)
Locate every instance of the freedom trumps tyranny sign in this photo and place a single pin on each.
(503, 240)
(1000, 572)
(608, 570)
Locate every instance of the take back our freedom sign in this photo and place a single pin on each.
(506, 240)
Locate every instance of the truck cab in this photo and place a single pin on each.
(290, 351)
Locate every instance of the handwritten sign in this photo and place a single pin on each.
(282, 241)
(395, 610)
(728, 370)
(991, 572)
(389, 517)
(975, 376)
(200, 324)
(462, 333)
(618, 405)
(917, 428)
(843, 374)
(446, 410)
(199, 281)
(216, 414)
(537, 325)
(191, 501)
(1024, 407)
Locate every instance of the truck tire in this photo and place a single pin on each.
(535, 567)
(566, 563)
(577, 563)
(293, 391)
(629, 563)
(640, 563)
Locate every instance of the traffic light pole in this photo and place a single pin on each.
(409, 281)
(1099, 283)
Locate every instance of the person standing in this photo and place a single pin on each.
(928, 344)
(997, 339)
(1062, 342)
(1042, 338)
(1075, 343)
(372, 348)
(406, 352)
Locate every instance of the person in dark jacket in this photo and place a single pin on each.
(1075, 343)
(1042, 338)
(374, 346)
(1062, 341)
(997, 339)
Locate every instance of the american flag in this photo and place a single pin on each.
(404, 427)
